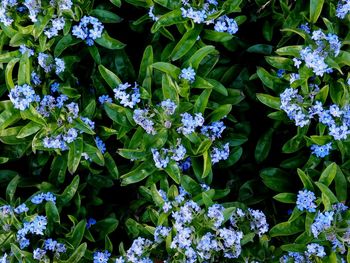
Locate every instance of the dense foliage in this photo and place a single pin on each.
(174, 131)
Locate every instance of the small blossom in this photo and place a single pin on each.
(188, 74)
(305, 201)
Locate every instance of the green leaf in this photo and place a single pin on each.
(218, 87)
(146, 62)
(315, 9)
(93, 50)
(52, 212)
(138, 174)
(28, 130)
(328, 174)
(24, 70)
(263, 146)
(69, 192)
(220, 112)
(276, 179)
(74, 154)
(167, 68)
(270, 101)
(116, 113)
(106, 226)
(32, 114)
(280, 63)
(168, 19)
(78, 234)
(288, 228)
(77, 255)
(111, 166)
(195, 60)
(327, 192)
(108, 42)
(8, 56)
(290, 50)
(307, 182)
(202, 101)
(117, 3)
(111, 79)
(186, 43)
(206, 164)
(341, 185)
(11, 188)
(216, 36)
(64, 43)
(106, 16)
(288, 198)
(133, 154)
(261, 49)
(174, 172)
(272, 82)
(190, 185)
(8, 73)
(8, 117)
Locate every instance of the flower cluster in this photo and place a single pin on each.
(315, 57)
(89, 29)
(161, 159)
(343, 8)
(23, 96)
(125, 98)
(313, 250)
(335, 118)
(218, 154)
(37, 227)
(306, 201)
(333, 226)
(48, 63)
(190, 245)
(201, 15)
(190, 123)
(39, 198)
(57, 24)
(49, 245)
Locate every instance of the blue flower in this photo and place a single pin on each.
(71, 135)
(100, 145)
(188, 74)
(215, 212)
(89, 29)
(159, 161)
(50, 244)
(217, 154)
(322, 222)
(104, 98)
(101, 257)
(126, 96)
(321, 150)
(226, 24)
(343, 8)
(22, 96)
(161, 232)
(315, 250)
(90, 222)
(305, 201)
(142, 117)
(190, 123)
(39, 254)
(21, 209)
(168, 106)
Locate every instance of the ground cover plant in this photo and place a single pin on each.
(174, 131)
